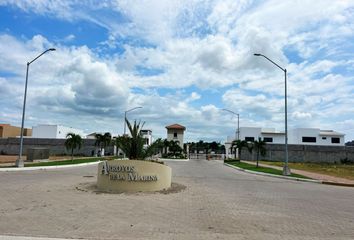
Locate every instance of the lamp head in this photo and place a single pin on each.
(51, 49)
(257, 54)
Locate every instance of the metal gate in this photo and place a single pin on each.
(204, 156)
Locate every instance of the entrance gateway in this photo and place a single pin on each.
(133, 176)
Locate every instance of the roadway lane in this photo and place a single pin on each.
(219, 202)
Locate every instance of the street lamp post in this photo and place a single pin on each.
(125, 117)
(19, 161)
(238, 121)
(238, 129)
(286, 169)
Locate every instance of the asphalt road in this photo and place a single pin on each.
(218, 203)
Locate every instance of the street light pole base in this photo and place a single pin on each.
(286, 170)
(19, 163)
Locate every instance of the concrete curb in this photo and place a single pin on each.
(273, 175)
(338, 184)
(46, 167)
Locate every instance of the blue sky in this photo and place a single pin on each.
(182, 61)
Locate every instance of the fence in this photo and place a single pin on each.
(304, 153)
(10, 146)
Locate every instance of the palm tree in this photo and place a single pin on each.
(72, 142)
(102, 141)
(166, 145)
(137, 141)
(174, 147)
(239, 144)
(159, 145)
(249, 147)
(106, 140)
(99, 141)
(155, 148)
(123, 142)
(260, 148)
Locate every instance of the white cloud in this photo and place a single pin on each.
(190, 44)
(301, 115)
(69, 38)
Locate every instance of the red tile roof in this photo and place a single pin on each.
(176, 126)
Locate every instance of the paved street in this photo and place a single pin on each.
(218, 203)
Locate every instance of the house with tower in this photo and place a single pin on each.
(175, 132)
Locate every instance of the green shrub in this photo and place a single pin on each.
(346, 161)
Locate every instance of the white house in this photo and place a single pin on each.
(301, 136)
(147, 135)
(175, 132)
(269, 135)
(54, 131)
(306, 136)
(315, 136)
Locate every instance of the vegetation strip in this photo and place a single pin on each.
(332, 169)
(64, 162)
(254, 168)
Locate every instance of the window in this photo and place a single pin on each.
(249, 139)
(268, 139)
(324, 138)
(308, 139)
(335, 140)
(175, 135)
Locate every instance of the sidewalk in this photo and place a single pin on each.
(324, 178)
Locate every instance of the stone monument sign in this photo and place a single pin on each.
(133, 176)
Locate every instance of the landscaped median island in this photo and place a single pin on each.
(267, 170)
(68, 162)
(65, 162)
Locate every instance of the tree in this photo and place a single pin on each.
(155, 148)
(239, 144)
(158, 145)
(259, 147)
(249, 147)
(166, 145)
(214, 146)
(106, 140)
(99, 141)
(137, 141)
(174, 147)
(72, 142)
(132, 145)
(102, 141)
(123, 142)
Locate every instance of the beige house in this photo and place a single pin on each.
(175, 132)
(6, 130)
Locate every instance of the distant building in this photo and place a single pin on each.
(147, 135)
(315, 136)
(269, 135)
(299, 136)
(54, 131)
(175, 132)
(302, 136)
(91, 136)
(6, 130)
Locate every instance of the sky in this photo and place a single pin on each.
(181, 61)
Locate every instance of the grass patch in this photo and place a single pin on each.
(252, 167)
(63, 162)
(331, 169)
